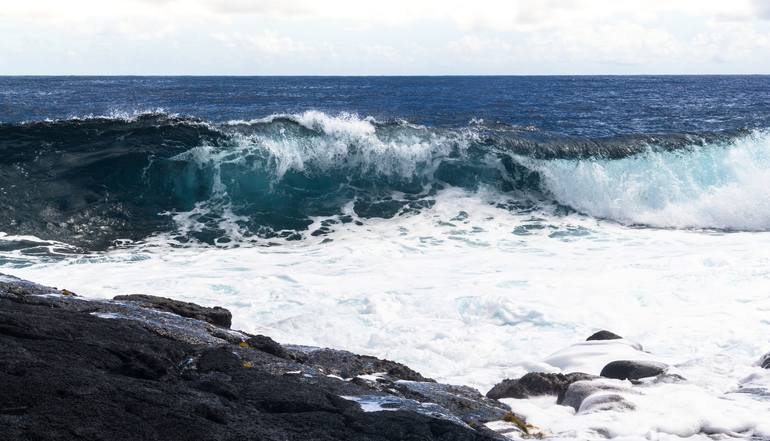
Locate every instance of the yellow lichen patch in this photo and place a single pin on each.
(66, 292)
(244, 345)
(513, 419)
(529, 430)
(248, 365)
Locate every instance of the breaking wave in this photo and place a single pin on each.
(93, 181)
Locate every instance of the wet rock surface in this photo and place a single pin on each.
(633, 370)
(465, 402)
(216, 315)
(535, 384)
(764, 362)
(604, 335)
(578, 392)
(348, 365)
(72, 368)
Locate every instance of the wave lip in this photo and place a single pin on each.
(722, 186)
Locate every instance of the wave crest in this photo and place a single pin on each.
(714, 186)
(90, 181)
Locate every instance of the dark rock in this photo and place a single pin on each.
(160, 322)
(218, 385)
(632, 370)
(579, 391)
(465, 402)
(141, 364)
(221, 359)
(267, 344)
(72, 368)
(536, 383)
(604, 335)
(216, 315)
(14, 287)
(765, 361)
(213, 413)
(348, 365)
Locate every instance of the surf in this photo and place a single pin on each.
(100, 181)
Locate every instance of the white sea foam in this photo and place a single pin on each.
(714, 186)
(667, 409)
(591, 356)
(349, 142)
(115, 115)
(345, 124)
(469, 293)
(664, 412)
(474, 299)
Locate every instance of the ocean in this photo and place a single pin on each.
(468, 227)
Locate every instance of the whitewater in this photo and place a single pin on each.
(399, 257)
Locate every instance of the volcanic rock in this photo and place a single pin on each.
(216, 315)
(632, 370)
(72, 368)
(534, 384)
(604, 335)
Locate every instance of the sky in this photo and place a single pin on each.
(393, 37)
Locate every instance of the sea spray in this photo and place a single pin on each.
(93, 181)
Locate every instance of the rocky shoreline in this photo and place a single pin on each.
(149, 368)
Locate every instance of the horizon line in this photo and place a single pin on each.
(381, 75)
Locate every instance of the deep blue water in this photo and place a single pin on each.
(584, 106)
(91, 160)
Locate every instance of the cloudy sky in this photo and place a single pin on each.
(393, 37)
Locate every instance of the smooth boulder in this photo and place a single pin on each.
(604, 335)
(633, 370)
(578, 392)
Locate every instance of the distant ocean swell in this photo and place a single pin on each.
(93, 181)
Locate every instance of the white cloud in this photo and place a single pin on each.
(265, 42)
(619, 43)
(762, 8)
(475, 45)
(382, 52)
(730, 42)
(479, 14)
(450, 36)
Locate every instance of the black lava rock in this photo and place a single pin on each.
(216, 316)
(267, 344)
(536, 383)
(81, 369)
(764, 362)
(348, 365)
(219, 359)
(604, 335)
(632, 370)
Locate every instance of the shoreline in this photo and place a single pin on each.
(147, 367)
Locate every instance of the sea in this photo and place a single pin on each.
(468, 227)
